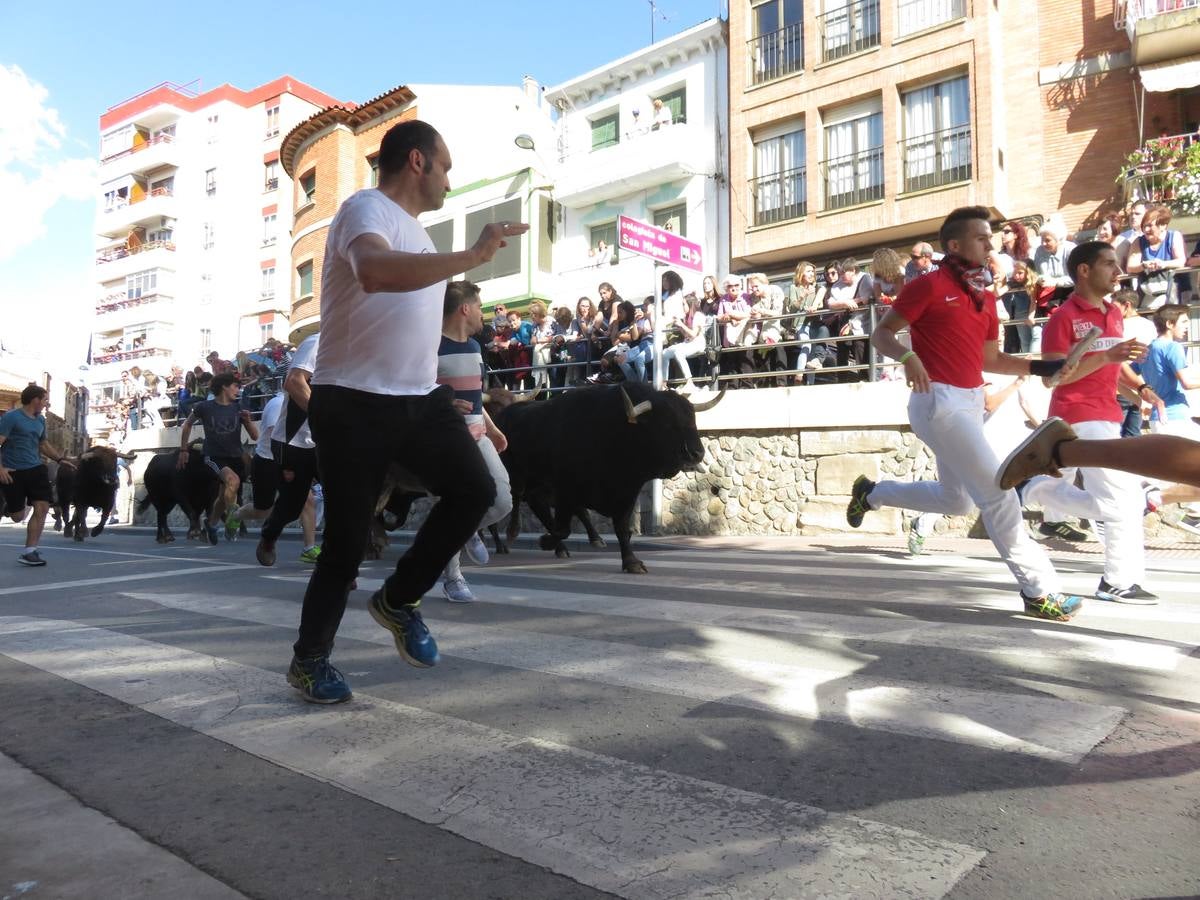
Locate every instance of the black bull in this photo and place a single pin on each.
(591, 448)
(192, 488)
(90, 485)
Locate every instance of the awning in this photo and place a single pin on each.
(1171, 76)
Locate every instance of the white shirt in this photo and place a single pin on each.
(663, 116)
(386, 342)
(1141, 328)
(266, 426)
(303, 360)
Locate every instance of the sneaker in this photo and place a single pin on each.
(31, 558)
(210, 531)
(1035, 454)
(232, 525)
(265, 552)
(311, 554)
(1055, 607)
(413, 640)
(916, 540)
(1154, 500)
(476, 550)
(1134, 595)
(457, 590)
(1189, 523)
(318, 681)
(1064, 530)
(857, 507)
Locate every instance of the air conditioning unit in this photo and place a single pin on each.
(167, 222)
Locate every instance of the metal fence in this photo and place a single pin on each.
(780, 196)
(853, 179)
(849, 29)
(938, 158)
(776, 53)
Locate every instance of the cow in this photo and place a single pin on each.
(193, 489)
(594, 448)
(92, 485)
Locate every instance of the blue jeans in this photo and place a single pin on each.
(637, 359)
(1132, 424)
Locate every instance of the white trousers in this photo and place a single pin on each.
(680, 353)
(500, 507)
(1112, 497)
(950, 422)
(1184, 428)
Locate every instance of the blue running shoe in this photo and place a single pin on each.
(318, 681)
(210, 532)
(1055, 607)
(413, 640)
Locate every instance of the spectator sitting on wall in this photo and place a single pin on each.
(563, 340)
(541, 338)
(685, 338)
(852, 294)
(767, 302)
(733, 314)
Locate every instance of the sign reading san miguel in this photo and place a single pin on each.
(658, 244)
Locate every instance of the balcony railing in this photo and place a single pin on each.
(156, 192)
(107, 256)
(271, 184)
(917, 15)
(1158, 170)
(849, 29)
(776, 54)
(157, 139)
(779, 197)
(853, 179)
(121, 300)
(1127, 14)
(938, 158)
(126, 355)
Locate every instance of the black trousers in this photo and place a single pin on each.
(357, 436)
(292, 492)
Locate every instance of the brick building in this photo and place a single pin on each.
(860, 123)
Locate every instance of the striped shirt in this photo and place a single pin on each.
(460, 365)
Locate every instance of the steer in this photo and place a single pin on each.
(192, 488)
(596, 446)
(93, 485)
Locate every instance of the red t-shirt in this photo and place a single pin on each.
(948, 332)
(1094, 397)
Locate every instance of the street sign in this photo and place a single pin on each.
(659, 244)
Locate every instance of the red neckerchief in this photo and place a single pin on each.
(972, 279)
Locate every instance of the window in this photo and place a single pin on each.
(676, 102)
(304, 273)
(848, 27)
(507, 260)
(308, 185)
(210, 236)
(205, 340)
(917, 15)
(116, 198)
(268, 281)
(674, 218)
(141, 284)
(271, 176)
(779, 190)
(269, 235)
(160, 235)
(373, 174)
(210, 181)
(604, 131)
(213, 123)
(273, 121)
(777, 48)
(442, 235)
(115, 142)
(266, 331)
(164, 187)
(936, 149)
(606, 233)
(853, 157)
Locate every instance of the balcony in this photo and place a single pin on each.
(853, 179)
(936, 159)
(914, 16)
(1160, 30)
(849, 29)
(779, 197)
(636, 163)
(160, 150)
(123, 217)
(117, 310)
(271, 184)
(1158, 172)
(776, 54)
(117, 262)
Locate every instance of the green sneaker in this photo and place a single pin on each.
(858, 507)
(916, 540)
(232, 524)
(310, 555)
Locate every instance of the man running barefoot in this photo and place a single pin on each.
(955, 337)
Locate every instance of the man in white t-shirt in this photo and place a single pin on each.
(375, 399)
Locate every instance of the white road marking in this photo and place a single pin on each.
(766, 675)
(55, 548)
(121, 579)
(619, 826)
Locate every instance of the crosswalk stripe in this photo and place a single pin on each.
(121, 579)
(619, 826)
(763, 679)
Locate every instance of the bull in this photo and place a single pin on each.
(92, 485)
(192, 488)
(595, 447)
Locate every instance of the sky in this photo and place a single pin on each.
(62, 66)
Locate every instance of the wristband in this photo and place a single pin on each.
(1044, 368)
(1141, 387)
(904, 358)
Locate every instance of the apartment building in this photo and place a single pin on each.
(857, 124)
(615, 154)
(192, 219)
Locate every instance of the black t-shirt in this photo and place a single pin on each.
(222, 428)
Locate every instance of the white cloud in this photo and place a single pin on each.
(35, 172)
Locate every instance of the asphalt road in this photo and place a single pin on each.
(801, 718)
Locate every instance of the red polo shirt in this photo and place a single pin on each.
(1094, 397)
(948, 332)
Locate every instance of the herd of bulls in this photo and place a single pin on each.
(589, 448)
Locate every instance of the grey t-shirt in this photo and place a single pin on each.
(222, 428)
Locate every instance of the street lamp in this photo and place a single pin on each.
(525, 142)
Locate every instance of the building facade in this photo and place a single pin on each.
(860, 123)
(193, 213)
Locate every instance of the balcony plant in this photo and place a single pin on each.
(1167, 171)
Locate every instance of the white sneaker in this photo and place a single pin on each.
(476, 550)
(457, 590)
(815, 364)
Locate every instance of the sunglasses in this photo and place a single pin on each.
(914, 256)
(1006, 231)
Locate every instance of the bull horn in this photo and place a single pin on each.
(706, 405)
(87, 454)
(632, 412)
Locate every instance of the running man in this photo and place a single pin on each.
(24, 479)
(460, 365)
(223, 421)
(955, 337)
(375, 400)
(1087, 399)
(264, 471)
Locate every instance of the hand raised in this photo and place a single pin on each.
(493, 236)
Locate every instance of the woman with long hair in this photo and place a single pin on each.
(588, 326)
(687, 334)
(1014, 241)
(609, 298)
(804, 299)
(887, 271)
(710, 296)
(1018, 300)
